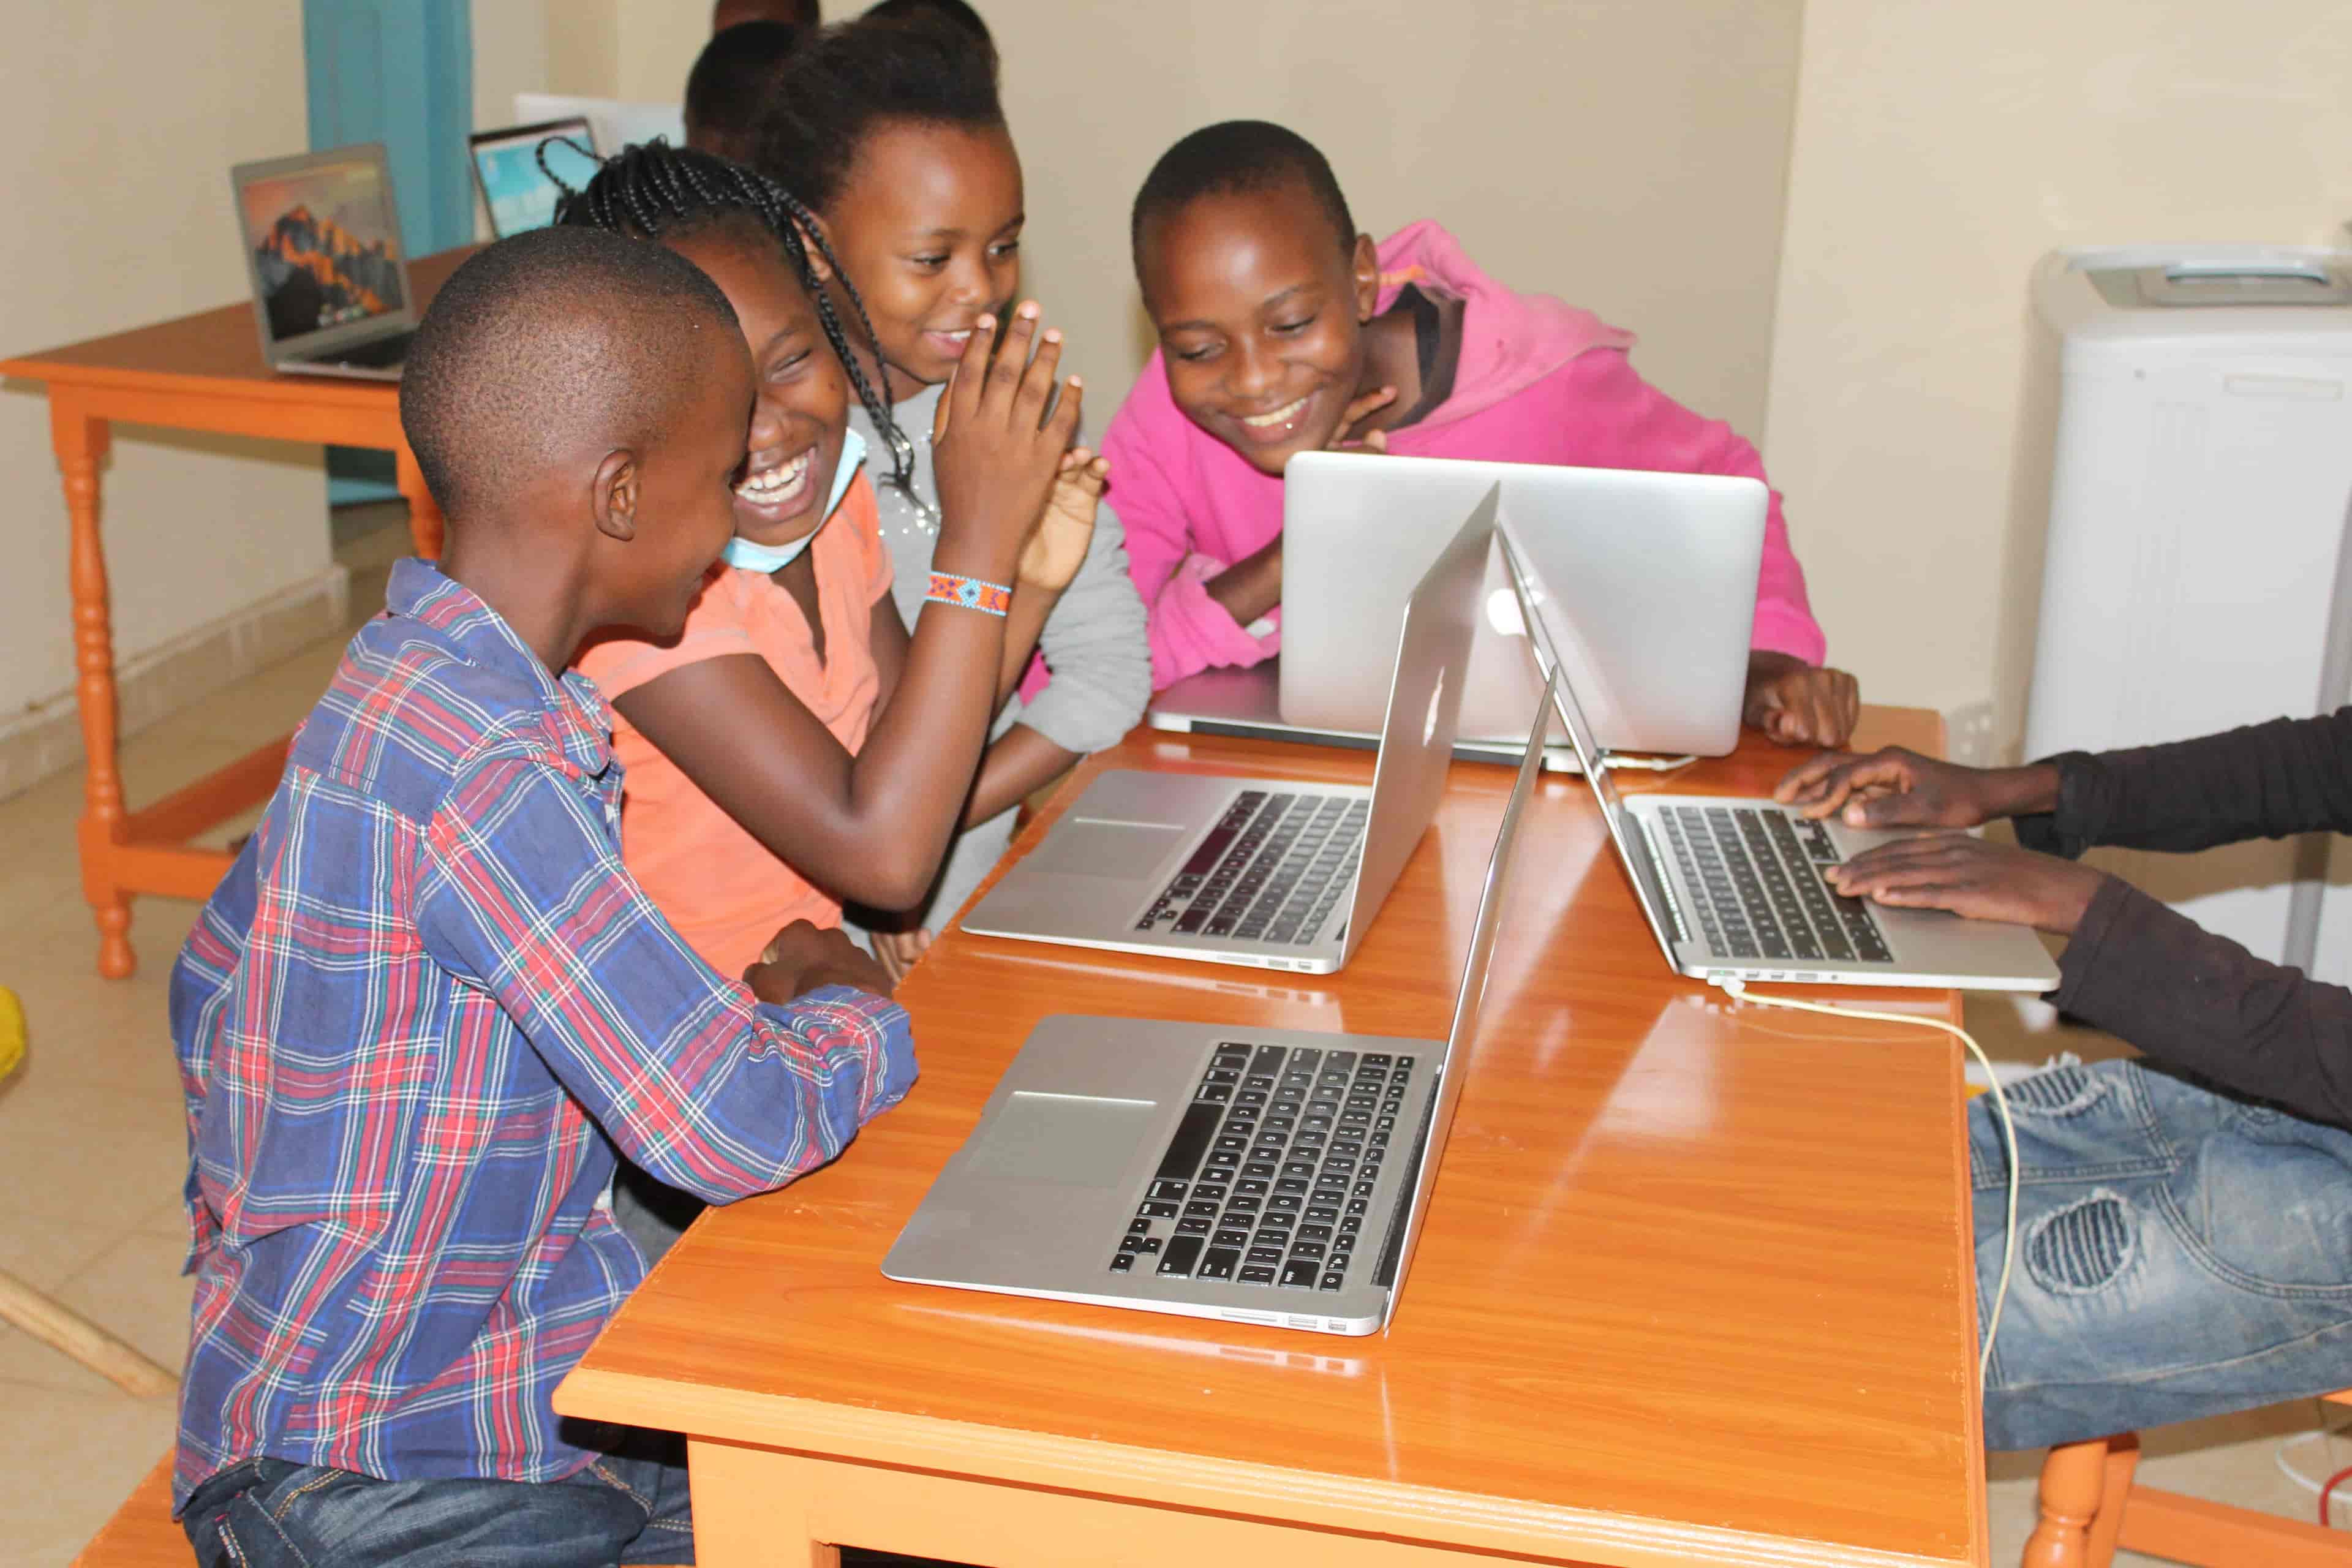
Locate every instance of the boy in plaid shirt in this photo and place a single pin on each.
(427, 1007)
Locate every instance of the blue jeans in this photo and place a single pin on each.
(2180, 1253)
(271, 1513)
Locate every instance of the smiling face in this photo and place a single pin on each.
(928, 224)
(800, 410)
(1260, 317)
(679, 498)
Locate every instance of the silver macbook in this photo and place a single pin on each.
(1658, 570)
(1265, 1176)
(1734, 888)
(521, 170)
(1270, 872)
(1247, 704)
(322, 248)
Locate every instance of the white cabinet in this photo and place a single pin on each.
(2195, 573)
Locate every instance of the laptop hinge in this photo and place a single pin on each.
(1392, 1248)
(1666, 883)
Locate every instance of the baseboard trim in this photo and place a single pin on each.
(46, 738)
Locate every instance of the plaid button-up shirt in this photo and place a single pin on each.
(413, 1024)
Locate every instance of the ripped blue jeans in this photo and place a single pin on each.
(2180, 1253)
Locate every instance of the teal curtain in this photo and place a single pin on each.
(400, 72)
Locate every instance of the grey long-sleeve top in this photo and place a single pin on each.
(1094, 641)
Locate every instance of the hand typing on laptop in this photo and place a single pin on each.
(1898, 788)
(1971, 877)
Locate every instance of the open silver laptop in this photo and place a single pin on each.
(1247, 704)
(1658, 570)
(521, 170)
(1265, 1176)
(331, 291)
(1270, 872)
(1733, 887)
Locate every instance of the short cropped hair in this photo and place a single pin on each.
(852, 80)
(802, 13)
(728, 86)
(539, 336)
(1231, 158)
(932, 13)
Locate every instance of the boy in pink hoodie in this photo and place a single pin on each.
(1282, 330)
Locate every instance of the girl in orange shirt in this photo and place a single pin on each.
(795, 747)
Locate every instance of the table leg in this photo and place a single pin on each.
(748, 1509)
(423, 517)
(81, 442)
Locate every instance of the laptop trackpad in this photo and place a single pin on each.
(1067, 1139)
(1121, 849)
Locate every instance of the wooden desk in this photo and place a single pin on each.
(1696, 1285)
(202, 372)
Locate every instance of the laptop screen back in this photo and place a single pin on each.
(1545, 628)
(1424, 706)
(517, 191)
(322, 239)
(1467, 1002)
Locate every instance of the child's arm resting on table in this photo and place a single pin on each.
(703, 1086)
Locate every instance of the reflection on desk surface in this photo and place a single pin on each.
(1325, 1010)
(1314, 1362)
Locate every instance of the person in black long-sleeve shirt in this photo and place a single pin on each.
(2185, 1224)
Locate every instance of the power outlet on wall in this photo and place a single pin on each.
(1967, 734)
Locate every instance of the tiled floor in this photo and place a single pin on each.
(91, 1128)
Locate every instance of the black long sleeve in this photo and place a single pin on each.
(2157, 979)
(2265, 780)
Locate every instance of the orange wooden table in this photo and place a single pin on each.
(202, 372)
(1695, 1286)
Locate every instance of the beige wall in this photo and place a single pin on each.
(1625, 153)
(1939, 151)
(124, 118)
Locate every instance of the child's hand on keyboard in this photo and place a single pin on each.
(1897, 788)
(1971, 877)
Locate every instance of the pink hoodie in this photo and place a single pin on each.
(1538, 382)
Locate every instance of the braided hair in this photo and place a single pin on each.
(652, 190)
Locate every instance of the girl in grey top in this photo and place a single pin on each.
(895, 137)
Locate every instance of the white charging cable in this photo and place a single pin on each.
(1738, 989)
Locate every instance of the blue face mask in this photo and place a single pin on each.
(747, 556)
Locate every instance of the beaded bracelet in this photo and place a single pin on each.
(947, 588)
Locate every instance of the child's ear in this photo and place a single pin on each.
(613, 495)
(1365, 267)
(814, 244)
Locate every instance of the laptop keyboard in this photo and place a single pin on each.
(382, 354)
(1269, 1178)
(1271, 870)
(1758, 875)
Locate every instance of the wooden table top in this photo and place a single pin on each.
(1695, 1284)
(219, 346)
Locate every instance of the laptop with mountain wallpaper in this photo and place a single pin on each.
(331, 290)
